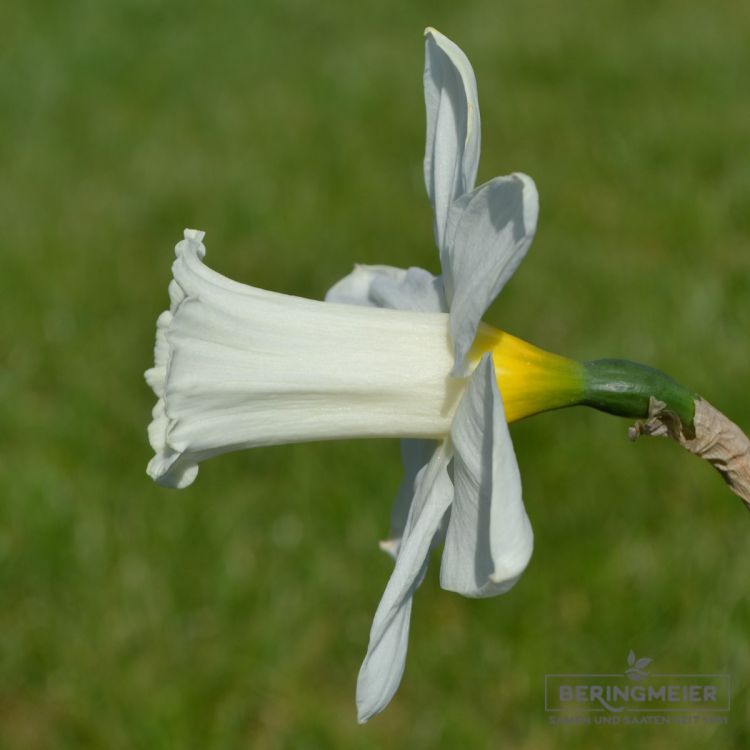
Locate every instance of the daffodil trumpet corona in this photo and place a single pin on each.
(403, 353)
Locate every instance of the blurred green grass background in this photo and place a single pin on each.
(236, 613)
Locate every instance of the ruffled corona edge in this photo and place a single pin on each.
(169, 467)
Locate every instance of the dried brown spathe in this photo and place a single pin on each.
(716, 439)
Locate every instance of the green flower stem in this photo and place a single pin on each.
(532, 381)
(626, 389)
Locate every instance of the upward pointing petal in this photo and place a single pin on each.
(489, 232)
(453, 126)
(383, 666)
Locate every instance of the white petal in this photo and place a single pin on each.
(238, 367)
(383, 666)
(386, 286)
(453, 126)
(354, 289)
(415, 454)
(489, 540)
(489, 233)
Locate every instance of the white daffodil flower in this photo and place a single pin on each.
(392, 352)
(483, 234)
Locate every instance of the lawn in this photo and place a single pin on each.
(235, 613)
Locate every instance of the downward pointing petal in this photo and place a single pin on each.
(489, 540)
(415, 455)
(383, 666)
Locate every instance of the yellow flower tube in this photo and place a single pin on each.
(530, 379)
